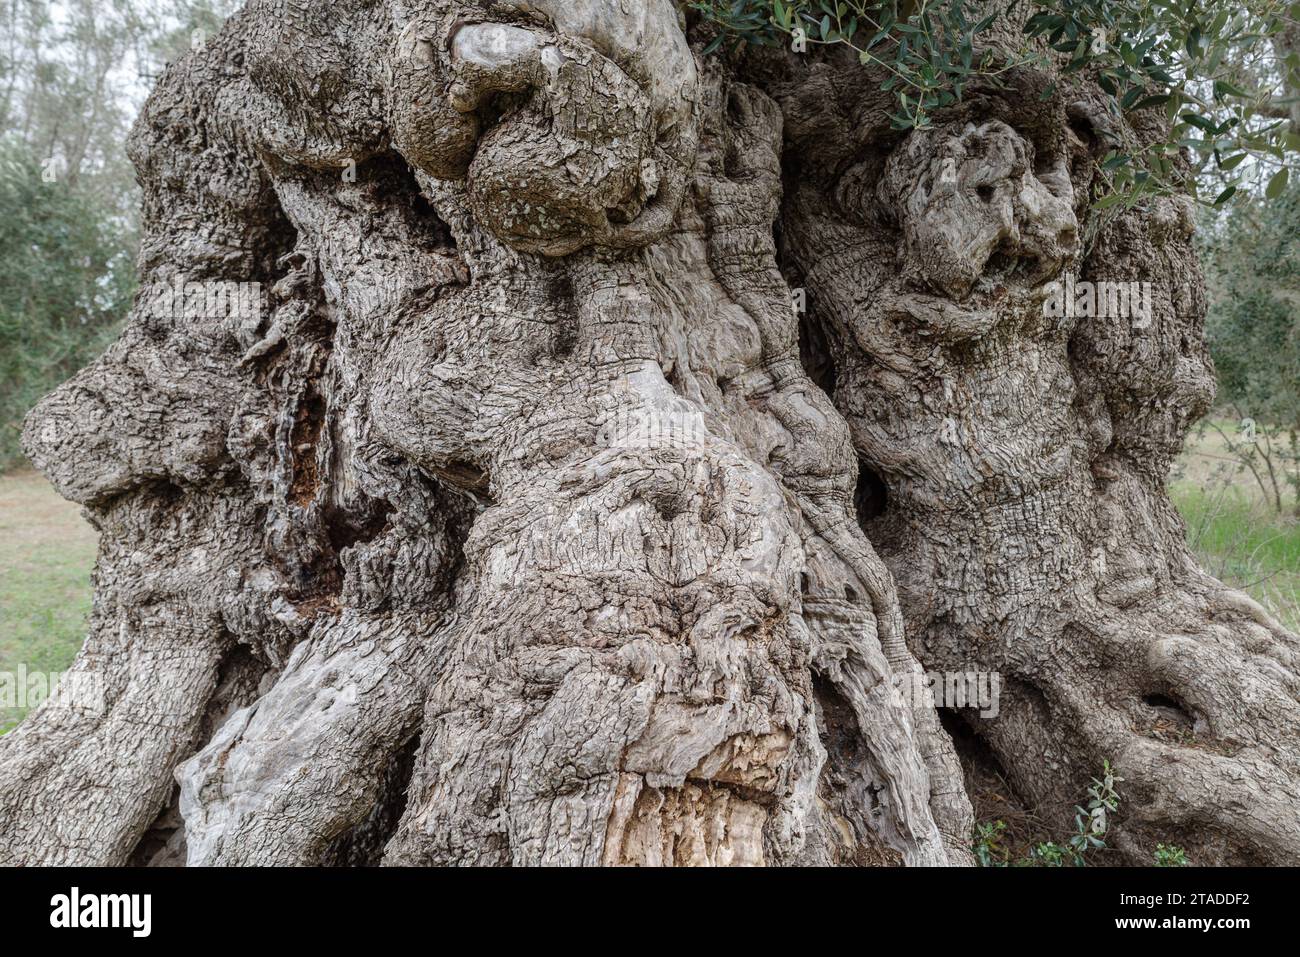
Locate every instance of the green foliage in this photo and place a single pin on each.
(1270, 455)
(1192, 60)
(60, 72)
(1170, 855)
(1091, 823)
(66, 281)
(1051, 854)
(928, 50)
(988, 847)
(1237, 534)
(1252, 269)
(188, 23)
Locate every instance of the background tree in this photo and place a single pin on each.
(72, 77)
(1254, 323)
(66, 280)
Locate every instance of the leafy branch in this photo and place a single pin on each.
(1199, 62)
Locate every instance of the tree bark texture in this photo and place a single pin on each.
(530, 523)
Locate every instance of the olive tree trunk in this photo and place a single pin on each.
(517, 513)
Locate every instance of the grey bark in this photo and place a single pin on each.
(516, 531)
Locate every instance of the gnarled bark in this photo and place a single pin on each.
(1025, 452)
(515, 531)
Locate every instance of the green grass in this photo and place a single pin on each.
(1245, 544)
(1233, 524)
(46, 554)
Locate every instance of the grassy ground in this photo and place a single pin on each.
(46, 553)
(1233, 526)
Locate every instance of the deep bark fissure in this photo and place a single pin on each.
(364, 843)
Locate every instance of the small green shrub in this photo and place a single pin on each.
(1170, 855)
(988, 848)
(1092, 822)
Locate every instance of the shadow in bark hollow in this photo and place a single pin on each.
(848, 783)
(815, 352)
(304, 437)
(394, 181)
(992, 795)
(241, 674)
(871, 497)
(1164, 703)
(980, 766)
(363, 845)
